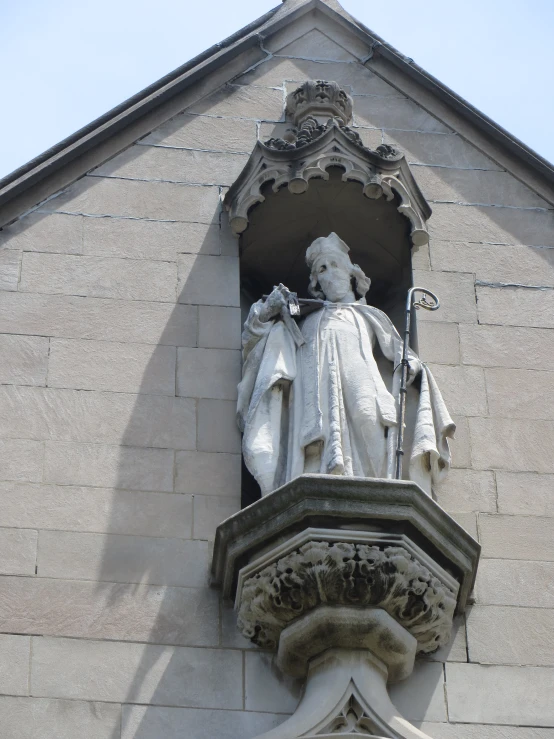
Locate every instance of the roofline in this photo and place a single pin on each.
(118, 118)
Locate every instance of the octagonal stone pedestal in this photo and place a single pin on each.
(348, 579)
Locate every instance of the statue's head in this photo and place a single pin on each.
(332, 274)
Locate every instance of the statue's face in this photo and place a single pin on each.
(334, 277)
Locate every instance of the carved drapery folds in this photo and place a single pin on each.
(319, 139)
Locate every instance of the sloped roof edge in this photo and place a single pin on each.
(176, 81)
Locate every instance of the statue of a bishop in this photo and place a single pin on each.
(321, 405)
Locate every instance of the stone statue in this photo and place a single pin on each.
(321, 404)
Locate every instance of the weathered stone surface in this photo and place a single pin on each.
(18, 551)
(68, 508)
(526, 636)
(445, 184)
(517, 537)
(379, 112)
(146, 722)
(62, 234)
(467, 490)
(313, 44)
(205, 473)
(520, 393)
(141, 239)
(103, 365)
(10, 261)
(456, 649)
(521, 695)
(525, 493)
(207, 280)
(507, 346)
(525, 265)
(121, 612)
(217, 426)
(371, 137)
(236, 101)
(115, 558)
(109, 418)
(209, 133)
(22, 460)
(94, 318)
(14, 664)
(174, 165)
(99, 465)
(266, 687)
(208, 373)
(456, 292)
(512, 444)
(23, 360)
(438, 149)
(485, 224)
(277, 71)
(463, 388)
(210, 511)
(219, 328)
(515, 583)
(438, 342)
(515, 306)
(98, 277)
(460, 445)
(421, 696)
(42, 718)
(484, 731)
(420, 258)
(136, 199)
(111, 671)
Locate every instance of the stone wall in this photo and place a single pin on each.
(119, 358)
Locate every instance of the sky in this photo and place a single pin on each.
(64, 63)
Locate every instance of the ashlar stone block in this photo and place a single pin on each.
(516, 306)
(137, 673)
(56, 233)
(174, 165)
(140, 722)
(421, 696)
(464, 491)
(266, 687)
(460, 445)
(210, 511)
(508, 582)
(10, 264)
(96, 510)
(138, 199)
(205, 280)
(18, 552)
(120, 612)
(99, 277)
(463, 388)
(517, 445)
(99, 319)
(208, 473)
(14, 664)
(103, 365)
(43, 718)
(521, 695)
(219, 328)
(378, 112)
(526, 636)
(313, 44)
(438, 342)
(438, 149)
(456, 292)
(22, 460)
(154, 240)
(517, 537)
(114, 558)
(23, 359)
(208, 373)
(524, 493)
(208, 133)
(507, 346)
(99, 465)
(236, 101)
(520, 393)
(484, 731)
(217, 426)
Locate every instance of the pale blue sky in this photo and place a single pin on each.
(64, 63)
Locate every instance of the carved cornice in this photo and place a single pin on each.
(347, 574)
(310, 152)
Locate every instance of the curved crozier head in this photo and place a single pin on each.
(332, 274)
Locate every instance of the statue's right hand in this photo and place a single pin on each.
(273, 305)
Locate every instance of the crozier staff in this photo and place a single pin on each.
(323, 406)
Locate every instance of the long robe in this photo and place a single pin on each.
(324, 407)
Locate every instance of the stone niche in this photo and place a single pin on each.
(348, 580)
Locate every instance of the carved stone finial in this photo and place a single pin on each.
(321, 100)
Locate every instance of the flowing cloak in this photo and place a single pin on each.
(318, 396)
